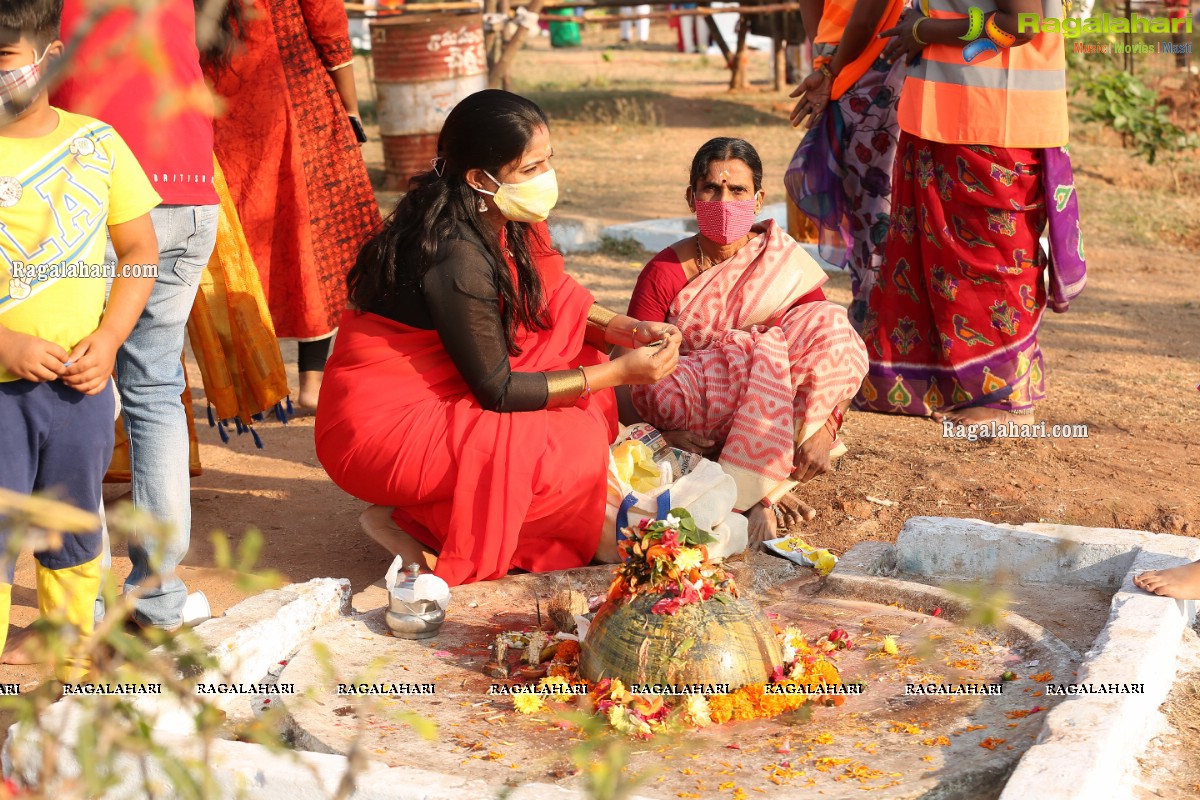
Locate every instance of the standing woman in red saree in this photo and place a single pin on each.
(288, 142)
(981, 171)
(469, 396)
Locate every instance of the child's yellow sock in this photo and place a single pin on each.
(69, 595)
(5, 606)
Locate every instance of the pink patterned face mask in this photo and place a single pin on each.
(17, 87)
(725, 221)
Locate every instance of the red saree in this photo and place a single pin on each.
(953, 321)
(397, 426)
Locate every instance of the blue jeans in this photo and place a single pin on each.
(150, 379)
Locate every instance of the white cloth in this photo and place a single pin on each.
(643, 25)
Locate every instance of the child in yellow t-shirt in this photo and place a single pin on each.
(64, 179)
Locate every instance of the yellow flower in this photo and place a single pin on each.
(696, 711)
(889, 645)
(616, 691)
(688, 559)
(528, 703)
(555, 686)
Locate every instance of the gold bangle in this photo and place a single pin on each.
(913, 31)
(600, 316)
(564, 387)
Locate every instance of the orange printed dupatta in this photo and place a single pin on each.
(233, 340)
(834, 18)
(231, 330)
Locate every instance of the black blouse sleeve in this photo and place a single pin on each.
(462, 298)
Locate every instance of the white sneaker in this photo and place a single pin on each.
(196, 609)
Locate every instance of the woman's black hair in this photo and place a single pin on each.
(488, 130)
(724, 148)
(219, 25)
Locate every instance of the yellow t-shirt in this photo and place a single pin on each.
(58, 194)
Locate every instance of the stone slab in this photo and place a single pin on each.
(254, 636)
(966, 550)
(243, 769)
(1088, 745)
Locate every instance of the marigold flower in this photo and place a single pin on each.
(743, 707)
(567, 651)
(528, 703)
(720, 707)
(889, 645)
(551, 682)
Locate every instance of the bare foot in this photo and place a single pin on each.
(978, 414)
(310, 388)
(1182, 583)
(795, 510)
(764, 524)
(22, 648)
(377, 522)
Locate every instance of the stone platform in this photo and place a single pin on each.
(1069, 615)
(907, 746)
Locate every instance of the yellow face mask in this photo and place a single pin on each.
(529, 201)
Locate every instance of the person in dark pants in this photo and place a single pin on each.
(64, 178)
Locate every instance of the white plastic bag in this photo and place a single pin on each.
(706, 492)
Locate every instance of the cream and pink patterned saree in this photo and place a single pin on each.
(755, 374)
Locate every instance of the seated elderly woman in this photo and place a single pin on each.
(767, 366)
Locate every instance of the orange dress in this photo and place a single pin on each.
(294, 168)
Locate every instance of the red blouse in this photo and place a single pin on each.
(663, 278)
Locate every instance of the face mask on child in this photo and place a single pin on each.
(725, 221)
(17, 85)
(530, 201)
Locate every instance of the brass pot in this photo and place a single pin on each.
(711, 642)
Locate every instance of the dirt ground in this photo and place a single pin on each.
(1125, 361)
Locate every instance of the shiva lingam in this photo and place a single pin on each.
(411, 618)
(674, 617)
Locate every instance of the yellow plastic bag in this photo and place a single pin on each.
(635, 466)
(796, 549)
